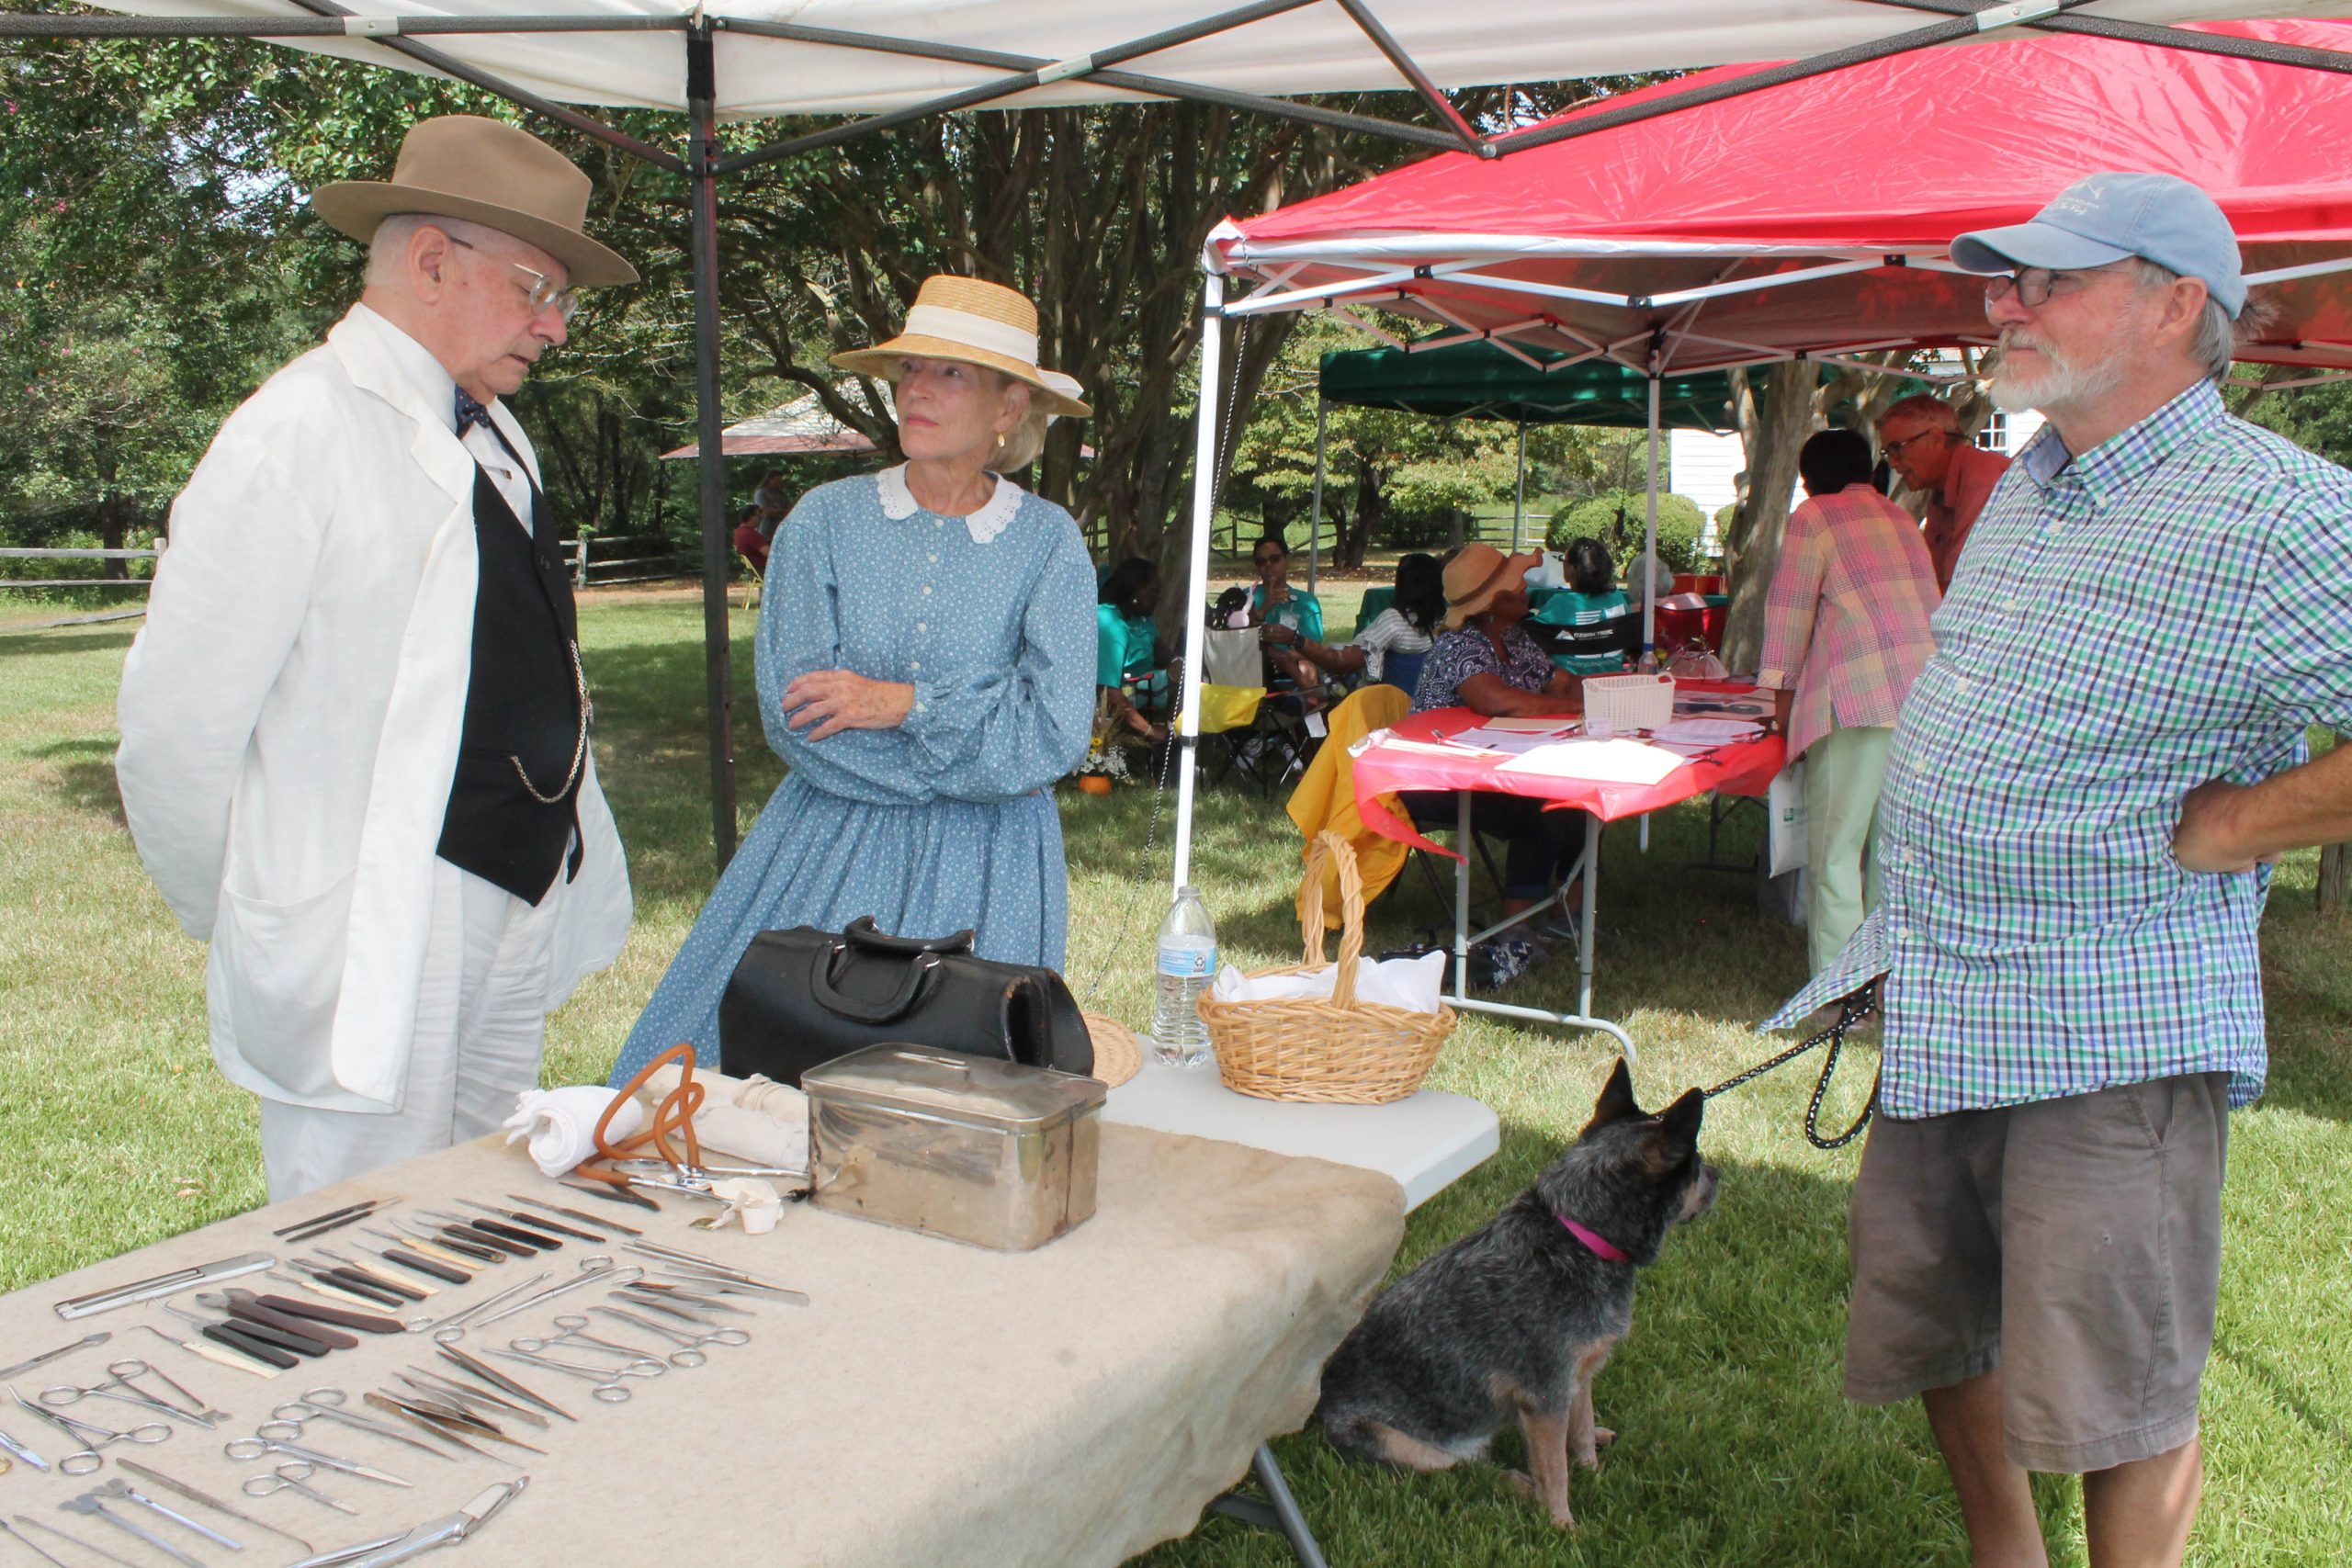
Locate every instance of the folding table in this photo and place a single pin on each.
(1739, 768)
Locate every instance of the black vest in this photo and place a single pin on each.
(523, 702)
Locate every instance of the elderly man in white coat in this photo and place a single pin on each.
(355, 729)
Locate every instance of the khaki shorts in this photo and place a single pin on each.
(2074, 1242)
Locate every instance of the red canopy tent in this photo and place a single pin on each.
(1815, 216)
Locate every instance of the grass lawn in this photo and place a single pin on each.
(1735, 1447)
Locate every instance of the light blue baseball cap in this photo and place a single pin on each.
(2105, 217)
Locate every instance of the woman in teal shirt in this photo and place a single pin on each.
(1134, 690)
(1592, 627)
(1274, 602)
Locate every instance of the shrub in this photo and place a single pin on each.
(1616, 518)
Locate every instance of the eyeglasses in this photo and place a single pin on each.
(2034, 285)
(543, 292)
(1266, 560)
(1894, 449)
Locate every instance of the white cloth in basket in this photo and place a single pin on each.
(1411, 984)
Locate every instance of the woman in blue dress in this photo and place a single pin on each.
(926, 668)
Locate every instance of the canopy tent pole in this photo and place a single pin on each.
(1315, 531)
(1519, 496)
(702, 93)
(1649, 529)
(1196, 596)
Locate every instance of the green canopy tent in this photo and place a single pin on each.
(1450, 378)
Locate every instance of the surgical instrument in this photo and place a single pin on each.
(422, 1242)
(449, 1529)
(290, 1476)
(418, 1263)
(408, 1288)
(101, 1337)
(356, 1284)
(679, 1258)
(449, 1238)
(210, 1354)
(608, 1389)
(118, 1386)
(169, 1284)
(92, 1437)
(95, 1506)
(456, 1229)
(443, 1417)
(572, 1331)
(609, 1192)
(326, 1405)
(116, 1487)
(348, 1213)
(275, 1346)
(584, 1219)
(71, 1540)
(691, 1344)
(505, 1229)
(202, 1407)
(501, 1382)
(250, 1311)
(430, 1419)
(592, 1270)
(332, 1293)
(676, 1300)
(25, 1541)
(453, 1325)
(265, 1440)
(311, 1312)
(516, 1216)
(22, 1452)
(432, 1385)
(193, 1496)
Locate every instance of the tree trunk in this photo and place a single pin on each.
(1774, 421)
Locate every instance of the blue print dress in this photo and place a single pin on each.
(946, 822)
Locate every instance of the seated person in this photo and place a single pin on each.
(1135, 690)
(1591, 627)
(1406, 627)
(1486, 661)
(751, 542)
(1274, 602)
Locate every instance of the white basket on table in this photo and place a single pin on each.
(1624, 703)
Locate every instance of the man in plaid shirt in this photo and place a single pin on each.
(2085, 791)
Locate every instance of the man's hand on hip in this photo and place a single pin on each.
(2207, 836)
(2229, 828)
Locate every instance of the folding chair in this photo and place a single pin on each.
(1256, 742)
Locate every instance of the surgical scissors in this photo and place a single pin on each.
(92, 1437)
(692, 1343)
(119, 1386)
(326, 1405)
(265, 1440)
(609, 1389)
(573, 1332)
(290, 1477)
(449, 1330)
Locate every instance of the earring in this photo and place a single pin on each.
(1000, 443)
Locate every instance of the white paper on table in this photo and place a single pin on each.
(1531, 725)
(1388, 742)
(1706, 732)
(1596, 762)
(1509, 742)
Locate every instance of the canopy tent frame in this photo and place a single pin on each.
(705, 163)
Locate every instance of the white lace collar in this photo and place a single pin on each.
(991, 518)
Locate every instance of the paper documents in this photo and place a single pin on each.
(1707, 731)
(1596, 762)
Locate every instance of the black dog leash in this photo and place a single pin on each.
(1852, 1009)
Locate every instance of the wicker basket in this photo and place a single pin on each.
(1627, 703)
(1343, 1050)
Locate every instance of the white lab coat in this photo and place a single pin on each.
(290, 715)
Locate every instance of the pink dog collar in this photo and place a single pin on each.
(1596, 1244)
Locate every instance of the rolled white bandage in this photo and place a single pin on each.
(561, 1123)
(754, 1119)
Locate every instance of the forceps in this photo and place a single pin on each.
(84, 1459)
(119, 1386)
(265, 1440)
(692, 1343)
(573, 1331)
(290, 1477)
(609, 1389)
(327, 1404)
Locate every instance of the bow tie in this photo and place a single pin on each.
(470, 412)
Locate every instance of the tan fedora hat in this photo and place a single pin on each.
(1478, 572)
(972, 323)
(485, 172)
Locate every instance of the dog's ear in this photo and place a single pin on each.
(1616, 1101)
(1679, 1121)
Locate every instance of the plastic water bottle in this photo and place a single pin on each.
(1187, 965)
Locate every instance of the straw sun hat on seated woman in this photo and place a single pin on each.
(926, 664)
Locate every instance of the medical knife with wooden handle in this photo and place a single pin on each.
(250, 1308)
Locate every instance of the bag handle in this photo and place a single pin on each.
(1331, 846)
(823, 967)
(861, 933)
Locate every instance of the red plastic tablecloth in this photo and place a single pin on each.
(1743, 768)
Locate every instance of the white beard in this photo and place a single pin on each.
(2060, 385)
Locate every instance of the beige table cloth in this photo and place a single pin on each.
(935, 1404)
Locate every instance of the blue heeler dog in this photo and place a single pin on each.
(1516, 1319)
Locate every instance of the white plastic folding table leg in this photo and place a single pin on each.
(1588, 871)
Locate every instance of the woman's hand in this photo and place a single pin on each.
(835, 700)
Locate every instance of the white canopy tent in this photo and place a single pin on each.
(896, 61)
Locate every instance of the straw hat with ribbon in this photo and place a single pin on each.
(1478, 572)
(484, 172)
(972, 323)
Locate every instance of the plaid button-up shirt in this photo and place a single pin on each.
(1846, 621)
(2173, 606)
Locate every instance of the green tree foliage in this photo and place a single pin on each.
(1619, 519)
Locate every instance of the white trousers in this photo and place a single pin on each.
(481, 1024)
